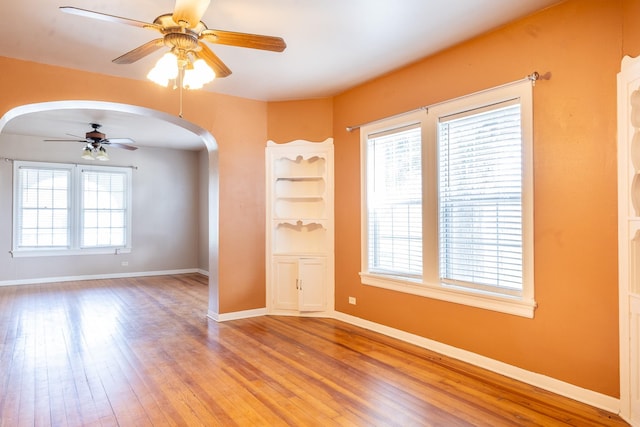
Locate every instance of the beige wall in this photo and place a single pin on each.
(203, 210)
(164, 203)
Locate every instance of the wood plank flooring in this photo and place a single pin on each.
(140, 352)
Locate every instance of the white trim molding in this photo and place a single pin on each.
(236, 315)
(589, 397)
(37, 280)
(553, 385)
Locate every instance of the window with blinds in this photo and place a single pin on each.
(67, 209)
(447, 201)
(43, 204)
(104, 208)
(394, 201)
(480, 198)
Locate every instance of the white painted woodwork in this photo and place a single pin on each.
(299, 227)
(299, 283)
(629, 237)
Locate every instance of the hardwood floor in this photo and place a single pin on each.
(136, 352)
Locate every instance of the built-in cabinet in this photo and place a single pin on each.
(299, 227)
(629, 237)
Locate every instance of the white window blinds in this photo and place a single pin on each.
(67, 209)
(480, 198)
(394, 201)
(42, 211)
(104, 208)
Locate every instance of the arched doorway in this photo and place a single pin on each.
(50, 119)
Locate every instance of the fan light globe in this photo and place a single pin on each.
(102, 154)
(205, 73)
(165, 69)
(198, 76)
(87, 154)
(191, 80)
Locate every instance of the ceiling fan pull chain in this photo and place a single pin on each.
(180, 79)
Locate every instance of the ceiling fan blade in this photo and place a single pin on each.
(65, 140)
(213, 61)
(139, 52)
(125, 146)
(119, 141)
(108, 18)
(252, 41)
(189, 12)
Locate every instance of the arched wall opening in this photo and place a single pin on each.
(142, 113)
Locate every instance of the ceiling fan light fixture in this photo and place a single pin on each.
(102, 154)
(165, 69)
(185, 33)
(87, 153)
(199, 74)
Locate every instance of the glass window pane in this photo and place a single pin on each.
(90, 219)
(480, 198)
(394, 202)
(45, 218)
(90, 237)
(104, 197)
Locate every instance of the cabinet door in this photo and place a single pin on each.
(312, 284)
(285, 283)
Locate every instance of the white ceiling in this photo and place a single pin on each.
(331, 44)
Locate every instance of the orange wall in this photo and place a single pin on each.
(574, 335)
(239, 126)
(309, 119)
(630, 27)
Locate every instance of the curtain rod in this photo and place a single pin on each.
(533, 77)
(6, 159)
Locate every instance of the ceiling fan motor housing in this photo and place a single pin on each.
(95, 135)
(182, 41)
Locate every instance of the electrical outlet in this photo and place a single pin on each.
(124, 263)
(352, 300)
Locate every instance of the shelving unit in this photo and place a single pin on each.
(629, 237)
(299, 226)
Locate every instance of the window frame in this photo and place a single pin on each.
(394, 267)
(522, 304)
(75, 210)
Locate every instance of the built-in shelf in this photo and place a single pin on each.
(629, 237)
(299, 233)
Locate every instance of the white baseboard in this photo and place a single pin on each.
(236, 315)
(98, 276)
(562, 388)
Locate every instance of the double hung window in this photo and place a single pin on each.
(394, 211)
(447, 201)
(63, 209)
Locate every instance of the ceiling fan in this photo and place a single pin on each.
(184, 33)
(96, 141)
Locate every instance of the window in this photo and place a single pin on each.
(62, 209)
(394, 197)
(103, 209)
(447, 197)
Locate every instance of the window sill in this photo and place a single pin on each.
(23, 253)
(479, 299)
